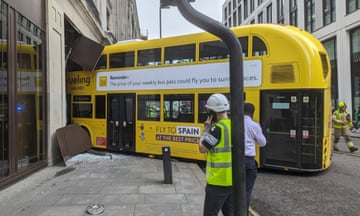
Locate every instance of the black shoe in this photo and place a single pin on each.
(352, 149)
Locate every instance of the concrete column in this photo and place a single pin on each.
(56, 78)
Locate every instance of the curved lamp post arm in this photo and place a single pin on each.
(237, 95)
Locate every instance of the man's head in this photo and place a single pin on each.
(249, 109)
(342, 106)
(217, 103)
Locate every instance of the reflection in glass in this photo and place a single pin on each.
(29, 93)
(4, 133)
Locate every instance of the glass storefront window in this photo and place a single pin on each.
(352, 5)
(355, 68)
(330, 46)
(30, 73)
(4, 134)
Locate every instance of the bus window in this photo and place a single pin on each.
(101, 64)
(179, 108)
(82, 98)
(100, 106)
(82, 107)
(202, 109)
(258, 47)
(180, 54)
(244, 45)
(149, 107)
(324, 60)
(149, 57)
(213, 50)
(119, 60)
(24, 60)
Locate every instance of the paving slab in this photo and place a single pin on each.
(125, 185)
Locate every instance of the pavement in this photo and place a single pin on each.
(355, 133)
(355, 136)
(121, 185)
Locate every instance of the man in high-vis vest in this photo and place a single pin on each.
(216, 143)
(342, 124)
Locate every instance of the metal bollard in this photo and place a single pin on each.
(167, 165)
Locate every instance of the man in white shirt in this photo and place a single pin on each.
(253, 135)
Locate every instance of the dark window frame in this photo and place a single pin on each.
(309, 15)
(246, 9)
(149, 57)
(269, 13)
(82, 106)
(122, 59)
(179, 107)
(280, 12)
(180, 54)
(147, 107)
(293, 13)
(258, 47)
(355, 7)
(329, 12)
(101, 64)
(213, 50)
(100, 106)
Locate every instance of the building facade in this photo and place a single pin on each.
(336, 23)
(36, 38)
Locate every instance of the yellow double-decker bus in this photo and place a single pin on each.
(144, 95)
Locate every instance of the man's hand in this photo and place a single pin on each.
(208, 120)
(207, 123)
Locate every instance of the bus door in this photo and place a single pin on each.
(292, 123)
(121, 122)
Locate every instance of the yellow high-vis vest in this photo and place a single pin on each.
(218, 165)
(339, 117)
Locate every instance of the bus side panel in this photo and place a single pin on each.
(96, 130)
(182, 139)
(327, 141)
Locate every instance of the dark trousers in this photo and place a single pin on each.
(218, 198)
(251, 173)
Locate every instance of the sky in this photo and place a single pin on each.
(172, 21)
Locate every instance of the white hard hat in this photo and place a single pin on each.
(217, 103)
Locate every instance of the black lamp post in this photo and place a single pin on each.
(237, 95)
(160, 18)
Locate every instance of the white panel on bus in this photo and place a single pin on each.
(215, 75)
